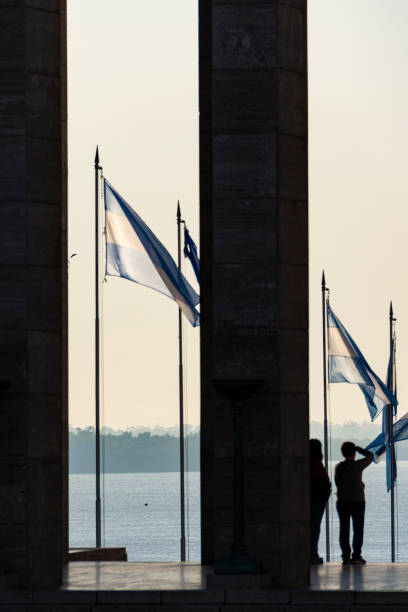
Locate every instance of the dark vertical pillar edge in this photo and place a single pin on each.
(206, 188)
(254, 294)
(33, 302)
(64, 280)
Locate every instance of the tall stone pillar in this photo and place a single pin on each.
(254, 278)
(33, 314)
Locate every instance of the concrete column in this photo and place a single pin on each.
(33, 314)
(254, 288)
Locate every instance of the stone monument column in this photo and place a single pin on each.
(254, 280)
(33, 288)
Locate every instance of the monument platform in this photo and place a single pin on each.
(179, 587)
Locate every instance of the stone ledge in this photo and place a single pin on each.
(381, 597)
(128, 597)
(192, 597)
(16, 597)
(322, 597)
(51, 596)
(272, 596)
(97, 554)
(278, 600)
(145, 607)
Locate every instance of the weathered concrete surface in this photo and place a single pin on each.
(254, 284)
(33, 314)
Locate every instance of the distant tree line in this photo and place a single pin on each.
(123, 452)
(129, 453)
(348, 430)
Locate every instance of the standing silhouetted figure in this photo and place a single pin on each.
(351, 500)
(320, 489)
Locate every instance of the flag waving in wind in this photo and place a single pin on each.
(347, 364)
(190, 251)
(134, 252)
(378, 446)
(387, 419)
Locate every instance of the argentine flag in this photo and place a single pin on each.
(347, 364)
(190, 251)
(386, 417)
(379, 445)
(134, 252)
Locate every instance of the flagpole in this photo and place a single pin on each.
(181, 406)
(326, 450)
(97, 381)
(391, 434)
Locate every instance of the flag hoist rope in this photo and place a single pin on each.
(181, 405)
(390, 408)
(187, 451)
(97, 373)
(331, 499)
(396, 512)
(186, 437)
(97, 350)
(326, 445)
(396, 460)
(102, 364)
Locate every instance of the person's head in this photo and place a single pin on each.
(315, 449)
(348, 450)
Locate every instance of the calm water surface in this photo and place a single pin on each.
(141, 512)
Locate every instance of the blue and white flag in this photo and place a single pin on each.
(134, 252)
(392, 372)
(378, 446)
(387, 419)
(190, 251)
(347, 364)
(390, 456)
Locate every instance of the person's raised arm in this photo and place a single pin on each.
(368, 457)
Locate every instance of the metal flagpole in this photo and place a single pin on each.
(326, 449)
(181, 402)
(97, 382)
(391, 433)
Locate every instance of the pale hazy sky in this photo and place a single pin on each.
(133, 89)
(358, 142)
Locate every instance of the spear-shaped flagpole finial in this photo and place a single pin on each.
(323, 280)
(178, 211)
(391, 310)
(97, 156)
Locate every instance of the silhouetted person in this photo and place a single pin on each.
(351, 500)
(320, 489)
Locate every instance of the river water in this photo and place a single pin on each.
(141, 512)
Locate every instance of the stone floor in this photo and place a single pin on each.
(107, 576)
(91, 586)
(372, 577)
(110, 576)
